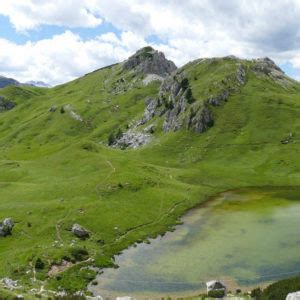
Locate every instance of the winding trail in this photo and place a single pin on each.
(113, 170)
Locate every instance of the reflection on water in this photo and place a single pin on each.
(244, 237)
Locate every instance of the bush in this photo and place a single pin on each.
(39, 264)
(79, 254)
(256, 294)
(216, 294)
(189, 96)
(185, 83)
(119, 134)
(279, 290)
(111, 139)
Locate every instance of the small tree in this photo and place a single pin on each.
(39, 264)
(185, 83)
(119, 134)
(189, 96)
(111, 139)
(256, 294)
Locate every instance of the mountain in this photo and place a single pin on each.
(37, 84)
(4, 81)
(125, 150)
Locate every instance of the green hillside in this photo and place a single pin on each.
(57, 168)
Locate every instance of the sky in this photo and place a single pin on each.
(56, 41)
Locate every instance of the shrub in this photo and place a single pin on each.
(79, 254)
(111, 139)
(216, 294)
(119, 134)
(185, 83)
(39, 264)
(189, 96)
(256, 294)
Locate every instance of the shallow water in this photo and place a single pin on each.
(245, 237)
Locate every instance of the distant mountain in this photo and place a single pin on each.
(4, 81)
(38, 83)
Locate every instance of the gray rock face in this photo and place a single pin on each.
(6, 227)
(9, 283)
(217, 100)
(132, 139)
(201, 120)
(150, 61)
(266, 66)
(79, 231)
(241, 74)
(6, 104)
(150, 110)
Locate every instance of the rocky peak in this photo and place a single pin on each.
(150, 61)
(266, 66)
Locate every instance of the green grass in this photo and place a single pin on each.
(56, 171)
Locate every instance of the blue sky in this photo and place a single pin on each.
(57, 41)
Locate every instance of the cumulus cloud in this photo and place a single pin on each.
(187, 30)
(64, 56)
(30, 14)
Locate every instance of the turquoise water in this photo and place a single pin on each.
(246, 238)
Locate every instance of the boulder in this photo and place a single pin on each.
(293, 296)
(132, 139)
(79, 231)
(6, 227)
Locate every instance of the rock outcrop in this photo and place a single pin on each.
(6, 104)
(132, 139)
(79, 231)
(175, 104)
(6, 227)
(149, 61)
(293, 296)
(266, 66)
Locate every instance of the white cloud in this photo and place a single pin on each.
(188, 29)
(30, 14)
(64, 56)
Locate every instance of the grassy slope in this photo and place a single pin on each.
(56, 171)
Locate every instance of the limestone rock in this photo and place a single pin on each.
(9, 283)
(241, 74)
(293, 296)
(149, 61)
(132, 139)
(217, 100)
(201, 120)
(267, 67)
(152, 77)
(79, 231)
(6, 227)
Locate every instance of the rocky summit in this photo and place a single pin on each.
(149, 61)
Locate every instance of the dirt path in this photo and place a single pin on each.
(98, 187)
